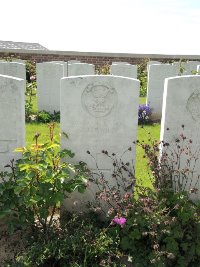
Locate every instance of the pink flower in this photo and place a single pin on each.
(32, 78)
(119, 220)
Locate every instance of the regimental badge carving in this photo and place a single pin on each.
(193, 105)
(99, 100)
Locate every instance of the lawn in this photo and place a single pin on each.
(144, 133)
(142, 100)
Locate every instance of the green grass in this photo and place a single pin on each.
(142, 100)
(141, 171)
(32, 128)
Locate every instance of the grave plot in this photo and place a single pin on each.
(180, 127)
(98, 113)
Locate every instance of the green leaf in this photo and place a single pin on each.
(4, 213)
(135, 234)
(66, 152)
(125, 243)
(81, 189)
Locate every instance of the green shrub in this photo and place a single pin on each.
(142, 76)
(38, 184)
(30, 92)
(162, 229)
(45, 117)
(81, 241)
(150, 227)
(31, 68)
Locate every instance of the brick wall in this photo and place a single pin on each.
(97, 59)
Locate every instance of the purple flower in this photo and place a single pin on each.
(144, 112)
(119, 220)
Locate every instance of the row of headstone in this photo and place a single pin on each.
(50, 73)
(97, 113)
(100, 113)
(157, 73)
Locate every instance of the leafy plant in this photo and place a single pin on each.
(35, 188)
(45, 117)
(80, 241)
(157, 226)
(113, 194)
(142, 76)
(30, 92)
(162, 230)
(30, 70)
(149, 227)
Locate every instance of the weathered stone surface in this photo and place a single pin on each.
(155, 86)
(152, 62)
(13, 69)
(125, 70)
(98, 113)
(76, 69)
(12, 118)
(48, 85)
(181, 115)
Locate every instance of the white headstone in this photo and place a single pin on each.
(12, 118)
(98, 113)
(13, 69)
(48, 85)
(181, 106)
(125, 70)
(152, 62)
(77, 69)
(155, 86)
